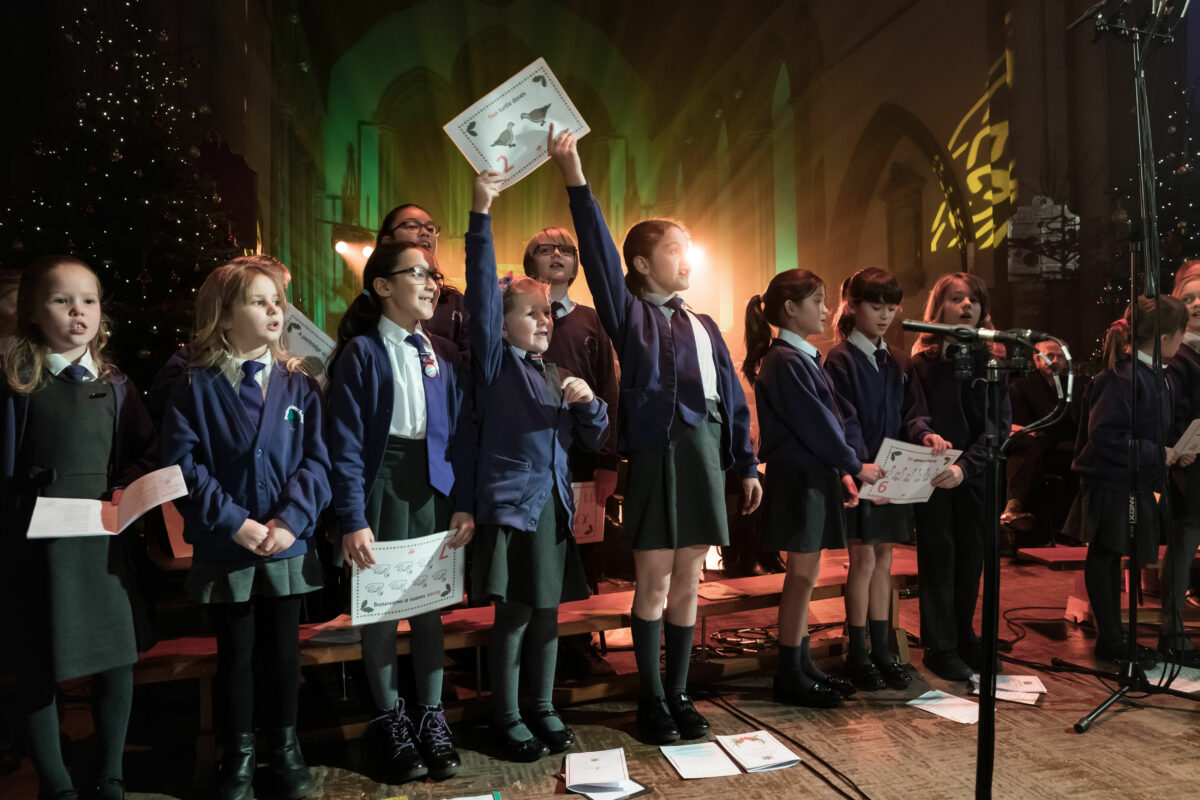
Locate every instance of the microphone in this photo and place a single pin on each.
(967, 334)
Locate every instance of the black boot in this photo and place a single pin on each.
(393, 742)
(436, 744)
(237, 768)
(293, 781)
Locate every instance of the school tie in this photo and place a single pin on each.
(76, 373)
(249, 392)
(437, 423)
(557, 310)
(535, 360)
(689, 387)
(881, 356)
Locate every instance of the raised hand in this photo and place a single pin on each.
(487, 187)
(564, 152)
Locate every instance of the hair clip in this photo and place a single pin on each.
(366, 292)
(506, 280)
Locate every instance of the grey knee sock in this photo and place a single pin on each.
(504, 666)
(881, 648)
(112, 699)
(647, 636)
(379, 662)
(806, 662)
(679, 656)
(428, 656)
(541, 657)
(791, 667)
(858, 654)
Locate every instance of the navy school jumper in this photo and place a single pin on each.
(524, 434)
(236, 470)
(360, 395)
(641, 334)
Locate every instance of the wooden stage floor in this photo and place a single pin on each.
(874, 747)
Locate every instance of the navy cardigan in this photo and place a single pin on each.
(360, 394)
(641, 334)
(799, 421)
(524, 432)
(1102, 448)
(877, 403)
(956, 408)
(235, 470)
(1183, 372)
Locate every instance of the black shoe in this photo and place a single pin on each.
(521, 751)
(865, 675)
(655, 723)
(436, 743)
(1119, 651)
(394, 744)
(840, 685)
(237, 768)
(895, 675)
(971, 654)
(947, 665)
(558, 741)
(692, 725)
(292, 778)
(108, 789)
(817, 696)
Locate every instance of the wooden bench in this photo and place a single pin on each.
(195, 658)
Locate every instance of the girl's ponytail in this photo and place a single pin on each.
(758, 337)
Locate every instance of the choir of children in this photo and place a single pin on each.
(422, 438)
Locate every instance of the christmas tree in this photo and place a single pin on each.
(1179, 185)
(117, 185)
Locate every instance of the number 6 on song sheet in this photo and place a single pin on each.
(881, 486)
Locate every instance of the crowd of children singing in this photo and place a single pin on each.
(474, 412)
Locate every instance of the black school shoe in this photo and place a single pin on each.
(865, 675)
(107, 789)
(692, 725)
(394, 744)
(840, 685)
(894, 675)
(947, 665)
(436, 743)
(520, 750)
(818, 695)
(237, 768)
(558, 741)
(655, 723)
(972, 655)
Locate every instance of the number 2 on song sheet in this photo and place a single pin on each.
(507, 167)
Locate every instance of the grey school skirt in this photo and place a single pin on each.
(802, 510)
(676, 497)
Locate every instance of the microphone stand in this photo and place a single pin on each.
(1020, 344)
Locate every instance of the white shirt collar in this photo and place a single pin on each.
(568, 305)
(859, 340)
(396, 334)
(1192, 340)
(797, 341)
(1145, 358)
(56, 363)
(658, 299)
(233, 366)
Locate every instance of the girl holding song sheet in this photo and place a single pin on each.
(71, 426)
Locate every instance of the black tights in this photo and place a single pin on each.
(1102, 575)
(270, 624)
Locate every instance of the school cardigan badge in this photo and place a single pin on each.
(294, 417)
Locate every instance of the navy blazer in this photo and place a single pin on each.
(799, 422)
(1102, 448)
(360, 395)
(1183, 373)
(134, 449)
(525, 430)
(877, 403)
(235, 470)
(641, 333)
(956, 408)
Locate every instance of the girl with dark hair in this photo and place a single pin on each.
(810, 466)
(71, 425)
(874, 387)
(683, 423)
(526, 559)
(245, 429)
(1102, 459)
(409, 223)
(950, 525)
(402, 447)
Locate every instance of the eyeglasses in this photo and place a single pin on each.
(412, 225)
(548, 249)
(419, 274)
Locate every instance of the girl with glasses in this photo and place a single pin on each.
(683, 423)
(402, 448)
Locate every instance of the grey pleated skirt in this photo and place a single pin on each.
(802, 510)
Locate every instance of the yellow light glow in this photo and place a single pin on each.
(341, 247)
(696, 256)
(367, 250)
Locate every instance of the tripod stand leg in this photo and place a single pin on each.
(1084, 724)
